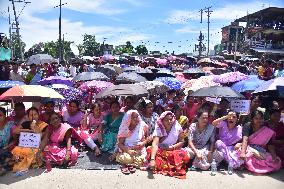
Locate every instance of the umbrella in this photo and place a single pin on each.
(56, 80)
(88, 76)
(250, 84)
(107, 57)
(9, 84)
(270, 85)
(154, 87)
(193, 70)
(161, 61)
(137, 69)
(30, 93)
(217, 92)
(230, 77)
(40, 59)
(117, 68)
(130, 77)
(107, 70)
(63, 74)
(69, 93)
(123, 90)
(171, 82)
(204, 60)
(195, 84)
(180, 77)
(96, 86)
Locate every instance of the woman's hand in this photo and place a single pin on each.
(199, 156)
(132, 152)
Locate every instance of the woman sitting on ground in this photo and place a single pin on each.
(132, 138)
(25, 157)
(166, 156)
(56, 145)
(73, 116)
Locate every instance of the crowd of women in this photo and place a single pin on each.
(166, 135)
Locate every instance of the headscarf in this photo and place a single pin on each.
(160, 126)
(125, 123)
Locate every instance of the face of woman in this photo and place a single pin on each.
(97, 110)
(258, 120)
(33, 115)
(149, 108)
(134, 119)
(203, 119)
(2, 116)
(115, 108)
(232, 118)
(275, 117)
(49, 108)
(178, 113)
(72, 108)
(168, 120)
(55, 121)
(190, 100)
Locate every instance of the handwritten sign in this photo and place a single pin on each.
(240, 106)
(29, 140)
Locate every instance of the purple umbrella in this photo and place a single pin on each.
(56, 80)
(95, 86)
(230, 77)
(162, 61)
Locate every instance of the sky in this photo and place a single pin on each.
(153, 23)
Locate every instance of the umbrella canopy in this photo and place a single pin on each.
(69, 93)
(63, 74)
(56, 80)
(154, 87)
(117, 68)
(131, 77)
(270, 85)
(193, 70)
(9, 84)
(204, 60)
(123, 90)
(217, 92)
(107, 70)
(161, 61)
(180, 77)
(95, 86)
(107, 57)
(30, 93)
(88, 76)
(40, 59)
(195, 84)
(250, 84)
(171, 82)
(230, 77)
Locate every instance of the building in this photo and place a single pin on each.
(264, 32)
(230, 35)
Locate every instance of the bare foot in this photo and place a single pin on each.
(112, 157)
(97, 151)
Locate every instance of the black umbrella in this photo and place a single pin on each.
(123, 90)
(89, 76)
(217, 92)
(131, 77)
(107, 70)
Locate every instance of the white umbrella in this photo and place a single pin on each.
(40, 59)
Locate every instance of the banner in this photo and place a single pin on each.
(5, 54)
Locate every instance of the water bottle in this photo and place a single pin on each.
(213, 168)
(230, 168)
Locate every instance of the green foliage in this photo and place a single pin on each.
(16, 45)
(90, 46)
(141, 50)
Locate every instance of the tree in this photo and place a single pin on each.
(89, 47)
(51, 48)
(16, 45)
(35, 49)
(141, 50)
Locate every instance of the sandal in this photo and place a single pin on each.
(132, 169)
(125, 170)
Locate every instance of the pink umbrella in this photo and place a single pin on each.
(180, 77)
(171, 58)
(95, 86)
(230, 77)
(161, 61)
(108, 57)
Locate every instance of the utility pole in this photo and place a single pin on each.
(236, 44)
(59, 38)
(17, 25)
(208, 11)
(200, 46)
(10, 34)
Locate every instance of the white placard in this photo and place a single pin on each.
(29, 140)
(214, 100)
(240, 106)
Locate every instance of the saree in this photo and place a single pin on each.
(110, 132)
(55, 152)
(227, 139)
(257, 143)
(26, 157)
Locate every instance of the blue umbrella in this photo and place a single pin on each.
(171, 82)
(10, 84)
(250, 84)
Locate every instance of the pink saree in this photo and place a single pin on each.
(259, 140)
(56, 153)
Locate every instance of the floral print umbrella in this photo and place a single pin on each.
(171, 82)
(230, 77)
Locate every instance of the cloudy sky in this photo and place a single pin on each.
(150, 22)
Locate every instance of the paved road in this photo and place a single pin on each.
(95, 179)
